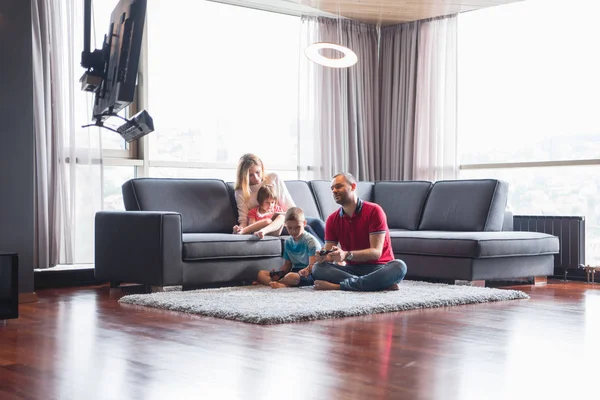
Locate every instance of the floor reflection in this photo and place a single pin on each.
(82, 343)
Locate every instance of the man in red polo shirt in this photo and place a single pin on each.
(358, 234)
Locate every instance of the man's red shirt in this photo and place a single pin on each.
(352, 233)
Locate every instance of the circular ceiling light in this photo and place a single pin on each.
(313, 54)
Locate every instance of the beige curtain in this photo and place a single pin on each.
(418, 100)
(398, 66)
(393, 114)
(339, 107)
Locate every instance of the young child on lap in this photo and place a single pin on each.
(299, 253)
(261, 218)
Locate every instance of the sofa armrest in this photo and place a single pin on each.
(139, 247)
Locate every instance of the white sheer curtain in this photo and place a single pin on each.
(338, 108)
(68, 171)
(435, 143)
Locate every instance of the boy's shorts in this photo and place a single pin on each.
(305, 280)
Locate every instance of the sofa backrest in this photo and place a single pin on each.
(465, 205)
(402, 201)
(327, 205)
(204, 204)
(303, 197)
(231, 190)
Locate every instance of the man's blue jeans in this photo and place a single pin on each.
(363, 277)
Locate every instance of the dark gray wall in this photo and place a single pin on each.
(16, 136)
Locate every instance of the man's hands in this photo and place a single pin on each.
(336, 255)
(237, 229)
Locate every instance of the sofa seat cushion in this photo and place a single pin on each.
(473, 244)
(206, 246)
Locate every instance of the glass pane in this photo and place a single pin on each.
(112, 140)
(114, 178)
(88, 197)
(235, 91)
(529, 88)
(554, 191)
(228, 175)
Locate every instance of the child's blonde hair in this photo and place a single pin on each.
(266, 192)
(294, 214)
(247, 161)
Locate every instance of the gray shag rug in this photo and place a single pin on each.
(263, 305)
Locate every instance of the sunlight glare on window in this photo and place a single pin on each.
(528, 82)
(222, 81)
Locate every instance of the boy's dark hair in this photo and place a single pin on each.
(266, 192)
(294, 214)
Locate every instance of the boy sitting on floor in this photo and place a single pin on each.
(299, 253)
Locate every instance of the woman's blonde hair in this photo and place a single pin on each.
(247, 161)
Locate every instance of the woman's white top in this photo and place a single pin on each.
(244, 205)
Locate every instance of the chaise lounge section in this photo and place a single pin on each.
(178, 232)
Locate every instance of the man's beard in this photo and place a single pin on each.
(341, 199)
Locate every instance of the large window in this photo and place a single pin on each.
(219, 81)
(529, 91)
(222, 81)
(94, 184)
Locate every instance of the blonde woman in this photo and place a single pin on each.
(250, 177)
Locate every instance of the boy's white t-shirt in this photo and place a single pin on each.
(284, 198)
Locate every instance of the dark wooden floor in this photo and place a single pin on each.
(81, 344)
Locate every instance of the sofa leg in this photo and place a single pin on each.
(540, 280)
(479, 283)
(114, 284)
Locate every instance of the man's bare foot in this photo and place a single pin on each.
(395, 286)
(277, 285)
(324, 285)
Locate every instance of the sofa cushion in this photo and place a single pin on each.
(303, 197)
(473, 244)
(402, 202)
(327, 205)
(465, 205)
(204, 204)
(205, 246)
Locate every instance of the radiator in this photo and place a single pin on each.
(570, 231)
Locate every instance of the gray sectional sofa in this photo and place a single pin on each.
(178, 232)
